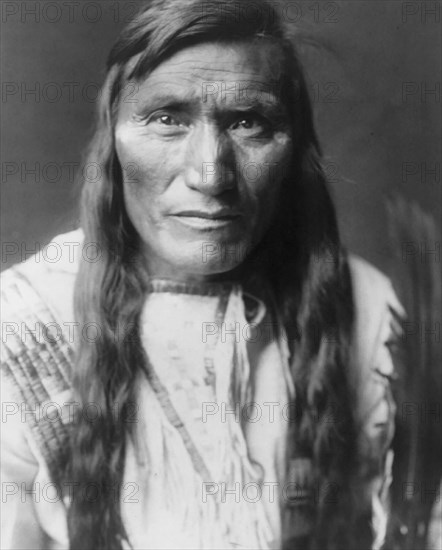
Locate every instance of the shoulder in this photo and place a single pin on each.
(38, 324)
(38, 334)
(366, 279)
(378, 311)
(47, 277)
(378, 321)
(375, 300)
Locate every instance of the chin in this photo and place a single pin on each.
(211, 268)
(211, 259)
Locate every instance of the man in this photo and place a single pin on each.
(193, 246)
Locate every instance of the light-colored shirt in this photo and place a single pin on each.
(238, 427)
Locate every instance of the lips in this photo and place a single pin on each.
(207, 219)
(220, 214)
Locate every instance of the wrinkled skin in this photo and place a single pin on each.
(204, 145)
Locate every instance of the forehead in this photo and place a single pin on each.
(216, 72)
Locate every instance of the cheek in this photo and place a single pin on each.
(264, 171)
(139, 187)
(139, 196)
(142, 158)
(144, 170)
(137, 201)
(135, 166)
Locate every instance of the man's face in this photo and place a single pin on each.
(204, 145)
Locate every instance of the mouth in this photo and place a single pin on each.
(207, 219)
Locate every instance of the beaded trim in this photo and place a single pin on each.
(38, 368)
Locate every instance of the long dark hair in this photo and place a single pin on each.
(301, 257)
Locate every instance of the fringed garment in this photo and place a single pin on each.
(211, 466)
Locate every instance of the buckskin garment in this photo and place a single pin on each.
(211, 468)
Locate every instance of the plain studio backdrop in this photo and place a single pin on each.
(375, 78)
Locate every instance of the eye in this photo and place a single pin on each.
(165, 119)
(246, 122)
(251, 124)
(166, 122)
(162, 121)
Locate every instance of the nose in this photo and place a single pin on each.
(209, 161)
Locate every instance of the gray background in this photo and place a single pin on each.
(371, 79)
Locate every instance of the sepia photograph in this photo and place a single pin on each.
(221, 275)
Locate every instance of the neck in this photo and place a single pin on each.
(159, 270)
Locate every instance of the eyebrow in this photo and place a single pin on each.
(268, 104)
